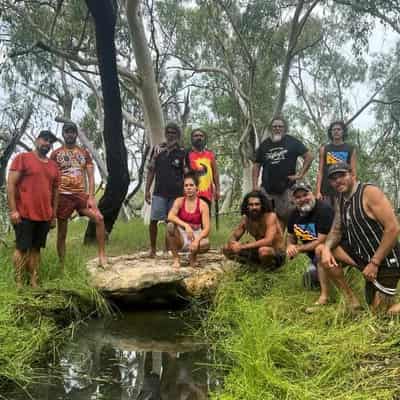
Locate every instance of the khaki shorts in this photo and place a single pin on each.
(185, 238)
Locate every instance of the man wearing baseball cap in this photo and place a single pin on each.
(364, 235)
(32, 200)
(76, 166)
(309, 224)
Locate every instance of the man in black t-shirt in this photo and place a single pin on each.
(308, 225)
(277, 155)
(166, 165)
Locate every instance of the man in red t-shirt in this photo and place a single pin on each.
(202, 162)
(32, 200)
(75, 165)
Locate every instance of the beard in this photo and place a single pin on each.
(255, 215)
(199, 144)
(43, 150)
(70, 139)
(276, 137)
(306, 208)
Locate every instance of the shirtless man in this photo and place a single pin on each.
(261, 223)
(364, 235)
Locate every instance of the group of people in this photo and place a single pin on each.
(44, 190)
(345, 223)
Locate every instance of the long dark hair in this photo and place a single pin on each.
(265, 206)
(341, 124)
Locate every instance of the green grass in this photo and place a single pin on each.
(267, 347)
(34, 322)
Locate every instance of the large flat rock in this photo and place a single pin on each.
(138, 279)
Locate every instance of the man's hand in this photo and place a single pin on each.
(147, 197)
(294, 178)
(318, 196)
(292, 250)
(91, 202)
(217, 195)
(15, 218)
(327, 259)
(370, 272)
(53, 223)
(189, 232)
(236, 247)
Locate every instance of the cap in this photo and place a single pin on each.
(301, 186)
(47, 135)
(338, 167)
(68, 126)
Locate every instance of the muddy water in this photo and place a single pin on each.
(145, 355)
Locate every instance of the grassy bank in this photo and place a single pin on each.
(267, 347)
(34, 322)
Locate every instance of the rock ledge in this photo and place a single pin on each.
(138, 279)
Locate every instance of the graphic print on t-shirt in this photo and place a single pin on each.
(72, 164)
(334, 157)
(201, 162)
(305, 232)
(276, 155)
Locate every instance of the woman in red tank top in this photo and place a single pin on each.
(188, 223)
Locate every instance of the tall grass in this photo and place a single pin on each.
(267, 347)
(34, 321)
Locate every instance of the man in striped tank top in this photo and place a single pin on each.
(364, 235)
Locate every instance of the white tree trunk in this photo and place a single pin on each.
(226, 205)
(247, 184)
(149, 88)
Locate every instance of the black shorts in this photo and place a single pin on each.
(387, 277)
(31, 234)
(251, 256)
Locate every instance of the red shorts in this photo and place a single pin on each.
(68, 203)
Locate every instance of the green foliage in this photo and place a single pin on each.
(268, 348)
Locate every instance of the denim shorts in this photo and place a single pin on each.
(160, 207)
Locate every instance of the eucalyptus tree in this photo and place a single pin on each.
(243, 51)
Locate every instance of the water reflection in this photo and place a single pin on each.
(141, 356)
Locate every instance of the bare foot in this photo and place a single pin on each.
(102, 262)
(176, 264)
(322, 301)
(394, 310)
(152, 254)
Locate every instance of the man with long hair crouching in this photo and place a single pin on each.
(262, 224)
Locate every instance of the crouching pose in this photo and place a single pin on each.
(188, 223)
(308, 227)
(364, 235)
(261, 223)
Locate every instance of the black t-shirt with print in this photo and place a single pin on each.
(278, 160)
(306, 227)
(168, 165)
